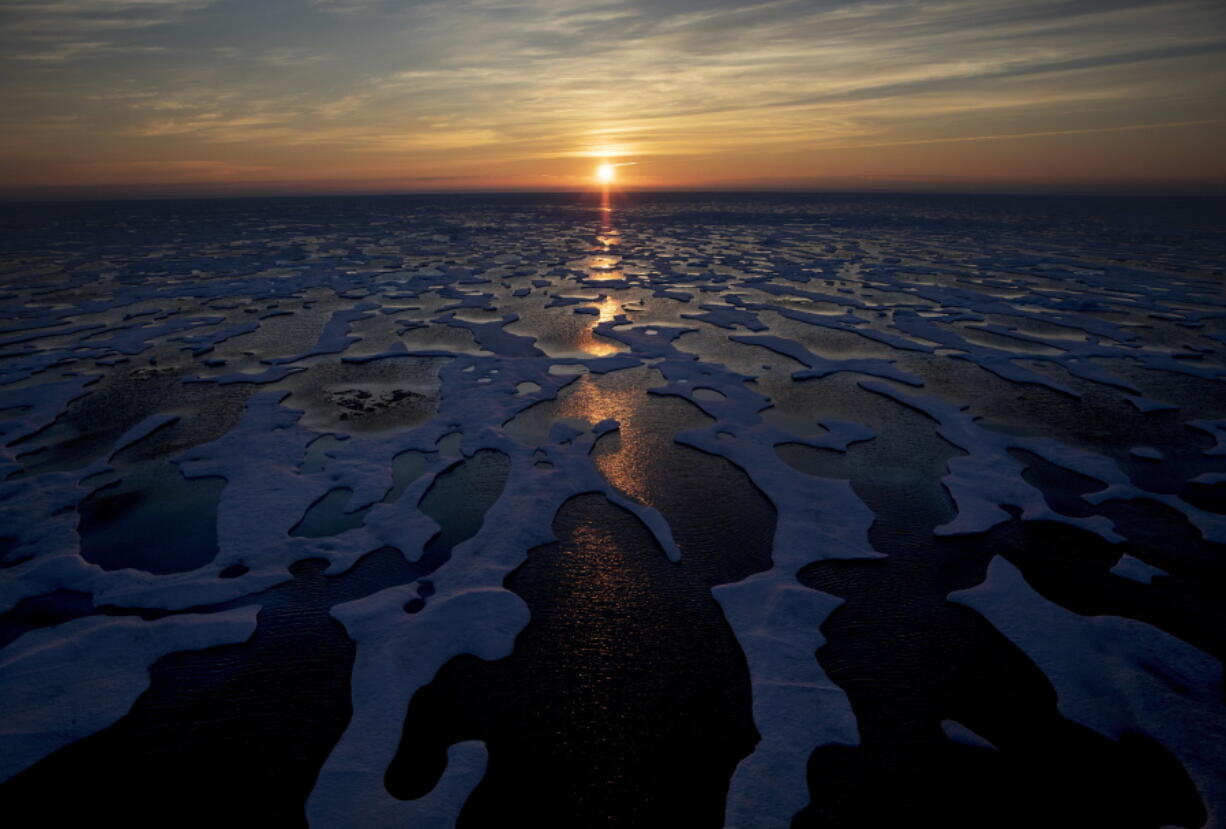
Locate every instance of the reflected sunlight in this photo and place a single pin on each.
(629, 467)
(592, 343)
(609, 309)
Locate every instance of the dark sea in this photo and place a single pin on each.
(614, 510)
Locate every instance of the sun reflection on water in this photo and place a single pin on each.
(630, 466)
(602, 268)
(592, 343)
(609, 309)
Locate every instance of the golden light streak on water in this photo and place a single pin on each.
(628, 468)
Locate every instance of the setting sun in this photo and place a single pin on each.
(605, 173)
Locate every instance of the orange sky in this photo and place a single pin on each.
(220, 96)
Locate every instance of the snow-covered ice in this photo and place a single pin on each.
(898, 399)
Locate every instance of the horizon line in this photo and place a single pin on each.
(137, 193)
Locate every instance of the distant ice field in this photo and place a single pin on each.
(701, 510)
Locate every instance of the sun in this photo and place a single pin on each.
(605, 173)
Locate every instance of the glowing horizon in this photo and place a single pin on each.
(332, 96)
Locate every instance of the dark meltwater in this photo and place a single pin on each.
(962, 459)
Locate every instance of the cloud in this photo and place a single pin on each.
(71, 50)
(539, 84)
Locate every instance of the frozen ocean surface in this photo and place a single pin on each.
(721, 510)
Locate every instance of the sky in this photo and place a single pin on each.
(203, 97)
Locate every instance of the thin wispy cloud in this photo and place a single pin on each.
(510, 90)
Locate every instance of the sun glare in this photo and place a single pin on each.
(604, 173)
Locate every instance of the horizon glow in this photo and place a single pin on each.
(182, 97)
